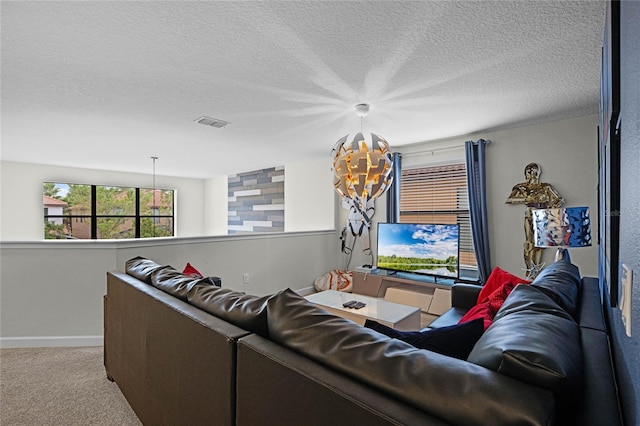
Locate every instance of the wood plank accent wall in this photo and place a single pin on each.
(256, 201)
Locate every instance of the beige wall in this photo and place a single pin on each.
(201, 205)
(565, 150)
(567, 154)
(21, 196)
(52, 292)
(309, 195)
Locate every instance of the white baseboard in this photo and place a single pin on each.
(50, 341)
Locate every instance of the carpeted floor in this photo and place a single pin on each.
(59, 386)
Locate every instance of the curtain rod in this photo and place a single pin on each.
(432, 151)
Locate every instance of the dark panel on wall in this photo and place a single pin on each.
(627, 349)
(256, 201)
(609, 153)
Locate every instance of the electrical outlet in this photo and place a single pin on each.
(245, 278)
(626, 297)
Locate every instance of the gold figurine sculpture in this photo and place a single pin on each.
(535, 195)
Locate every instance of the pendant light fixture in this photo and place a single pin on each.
(362, 168)
(362, 172)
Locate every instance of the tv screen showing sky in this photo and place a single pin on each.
(430, 249)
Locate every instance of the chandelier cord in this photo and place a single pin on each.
(153, 196)
(154, 172)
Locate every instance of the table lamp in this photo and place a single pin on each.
(562, 228)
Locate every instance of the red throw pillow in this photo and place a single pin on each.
(192, 272)
(497, 279)
(481, 310)
(497, 298)
(492, 296)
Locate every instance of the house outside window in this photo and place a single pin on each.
(438, 195)
(77, 211)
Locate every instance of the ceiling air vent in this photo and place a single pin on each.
(213, 122)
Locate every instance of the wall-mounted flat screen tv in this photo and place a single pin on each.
(429, 249)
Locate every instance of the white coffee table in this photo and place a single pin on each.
(394, 315)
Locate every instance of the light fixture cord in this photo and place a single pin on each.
(153, 196)
(154, 172)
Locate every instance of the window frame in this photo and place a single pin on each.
(137, 217)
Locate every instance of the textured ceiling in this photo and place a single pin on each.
(107, 85)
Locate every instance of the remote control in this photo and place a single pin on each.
(349, 304)
(359, 305)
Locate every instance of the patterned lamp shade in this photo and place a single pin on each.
(362, 168)
(565, 227)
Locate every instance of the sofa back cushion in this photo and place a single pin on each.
(176, 283)
(533, 340)
(245, 311)
(525, 298)
(561, 282)
(413, 375)
(141, 268)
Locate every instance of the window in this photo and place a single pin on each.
(438, 194)
(74, 211)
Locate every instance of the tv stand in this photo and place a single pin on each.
(431, 295)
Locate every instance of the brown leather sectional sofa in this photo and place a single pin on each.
(185, 352)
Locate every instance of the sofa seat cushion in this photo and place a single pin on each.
(141, 268)
(455, 340)
(243, 310)
(532, 339)
(561, 281)
(450, 317)
(409, 374)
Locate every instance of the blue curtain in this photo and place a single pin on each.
(477, 188)
(393, 193)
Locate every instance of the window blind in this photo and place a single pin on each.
(438, 194)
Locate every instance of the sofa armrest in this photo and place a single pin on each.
(174, 363)
(464, 296)
(600, 399)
